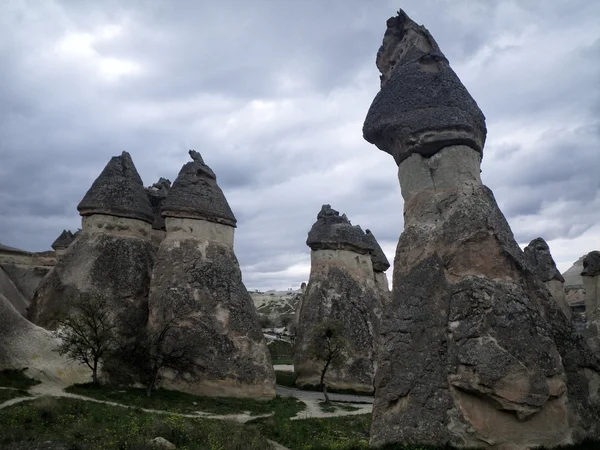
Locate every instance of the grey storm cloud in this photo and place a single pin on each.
(273, 94)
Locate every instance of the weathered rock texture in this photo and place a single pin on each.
(20, 274)
(341, 288)
(26, 346)
(157, 193)
(474, 351)
(539, 258)
(591, 281)
(112, 257)
(575, 292)
(380, 263)
(198, 282)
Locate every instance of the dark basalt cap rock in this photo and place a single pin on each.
(422, 106)
(63, 241)
(195, 194)
(539, 258)
(334, 232)
(380, 261)
(118, 191)
(157, 193)
(591, 264)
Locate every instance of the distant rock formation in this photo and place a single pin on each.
(157, 193)
(474, 352)
(341, 288)
(62, 242)
(197, 273)
(539, 258)
(591, 282)
(574, 290)
(380, 263)
(26, 346)
(20, 274)
(112, 257)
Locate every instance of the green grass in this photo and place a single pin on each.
(7, 394)
(53, 423)
(341, 433)
(180, 402)
(281, 352)
(16, 379)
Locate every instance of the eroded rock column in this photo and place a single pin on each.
(591, 282)
(474, 351)
(198, 283)
(341, 288)
(539, 258)
(111, 258)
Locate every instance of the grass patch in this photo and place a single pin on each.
(340, 433)
(180, 402)
(72, 424)
(281, 352)
(7, 394)
(15, 378)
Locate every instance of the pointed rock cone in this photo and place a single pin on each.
(474, 351)
(118, 191)
(112, 257)
(63, 240)
(341, 290)
(197, 286)
(539, 258)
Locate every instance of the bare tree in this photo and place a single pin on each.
(328, 345)
(88, 333)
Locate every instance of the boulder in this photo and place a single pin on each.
(474, 352)
(24, 345)
(198, 283)
(539, 258)
(112, 257)
(341, 289)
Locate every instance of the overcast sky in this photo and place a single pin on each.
(273, 94)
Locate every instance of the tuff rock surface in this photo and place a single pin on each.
(112, 257)
(474, 352)
(197, 282)
(24, 345)
(63, 240)
(341, 288)
(539, 258)
(380, 263)
(157, 194)
(591, 281)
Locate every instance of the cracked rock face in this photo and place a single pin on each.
(341, 288)
(539, 258)
(474, 351)
(591, 282)
(197, 281)
(112, 257)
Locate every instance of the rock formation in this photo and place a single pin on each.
(112, 257)
(157, 193)
(474, 352)
(20, 274)
(574, 290)
(62, 242)
(380, 263)
(341, 288)
(26, 346)
(197, 280)
(539, 258)
(591, 281)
